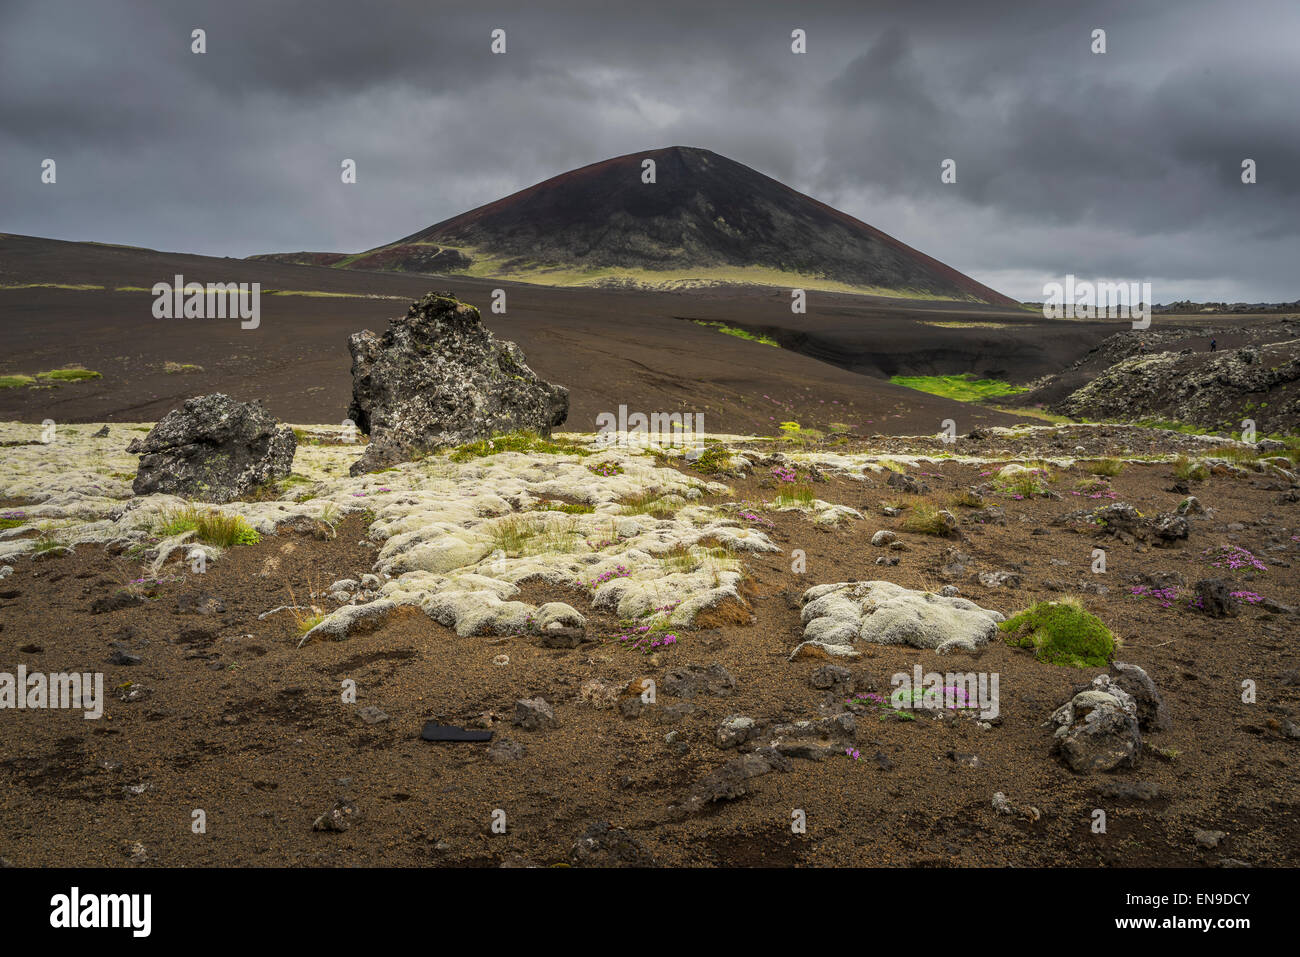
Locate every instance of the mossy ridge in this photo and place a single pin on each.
(1061, 633)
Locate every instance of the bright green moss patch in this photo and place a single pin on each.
(15, 381)
(515, 442)
(1061, 633)
(68, 375)
(963, 388)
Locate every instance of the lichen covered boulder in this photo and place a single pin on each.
(438, 377)
(213, 448)
(1097, 729)
(841, 614)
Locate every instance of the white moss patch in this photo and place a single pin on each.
(454, 539)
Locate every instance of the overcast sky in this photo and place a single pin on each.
(1124, 165)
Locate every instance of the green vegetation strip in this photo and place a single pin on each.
(738, 333)
(963, 388)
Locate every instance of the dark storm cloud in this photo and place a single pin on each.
(1125, 165)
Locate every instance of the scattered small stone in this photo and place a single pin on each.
(999, 578)
(338, 818)
(1129, 790)
(504, 749)
(883, 537)
(1208, 839)
(1001, 805)
(532, 714)
(601, 845)
(692, 680)
(832, 677)
(372, 715)
(735, 731)
(814, 740)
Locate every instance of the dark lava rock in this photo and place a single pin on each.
(115, 602)
(1215, 597)
(906, 483)
(832, 677)
(732, 780)
(692, 680)
(1129, 790)
(214, 449)
(1097, 729)
(438, 377)
(1151, 711)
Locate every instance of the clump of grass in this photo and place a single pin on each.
(712, 460)
(797, 434)
(926, 519)
(1090, 486)
(965, 499)
(48, 543)
(797, 496)
(16, 381)
(559, 536)
(308, 617)
(1061, 633)
(1190, 470)
(1024, 484)
(1242, 455)
(511, 534)
(647, 502)
(1110, 467)
(522, 441)
(209, 526)
(568, 508)
(71, 374)
(679, 558)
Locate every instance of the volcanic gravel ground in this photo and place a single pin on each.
(232, 718)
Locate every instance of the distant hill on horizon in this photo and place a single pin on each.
(705, 220)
